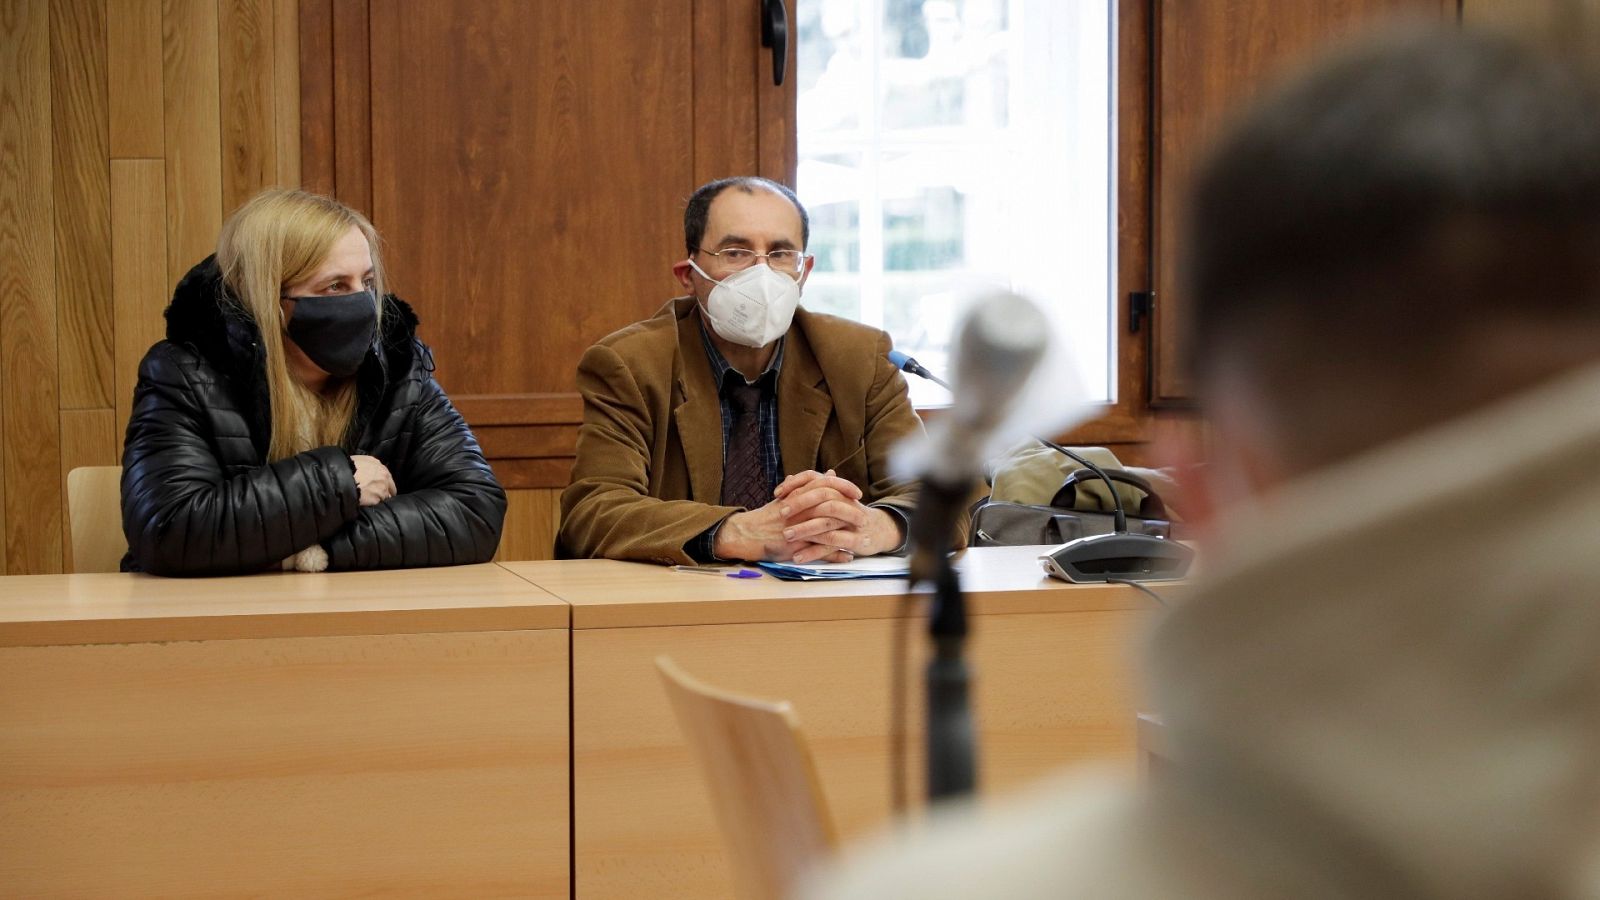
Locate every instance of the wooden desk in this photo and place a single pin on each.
(289, 735)
(1052, 686)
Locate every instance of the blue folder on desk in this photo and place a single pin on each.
(855, 570)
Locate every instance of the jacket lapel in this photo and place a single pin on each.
(803, 404)
(698, 412)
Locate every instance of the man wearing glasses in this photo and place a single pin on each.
(733, 425)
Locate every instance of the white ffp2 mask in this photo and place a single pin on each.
(752, 307)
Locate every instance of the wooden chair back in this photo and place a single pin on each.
(762, 780)
(94, 513)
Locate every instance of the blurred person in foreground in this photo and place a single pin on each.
(1386, 685)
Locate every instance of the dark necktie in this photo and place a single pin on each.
(744, 483)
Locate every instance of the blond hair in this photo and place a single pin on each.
(277, 238)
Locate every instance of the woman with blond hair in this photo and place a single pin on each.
(291, 419)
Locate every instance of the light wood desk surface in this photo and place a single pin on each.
(611, 594)
(394, 734)
(41, 610)
(1052, 685)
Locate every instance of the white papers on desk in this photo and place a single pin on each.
(856, 569)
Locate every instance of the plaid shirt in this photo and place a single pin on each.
(700, 548)
(724, 375)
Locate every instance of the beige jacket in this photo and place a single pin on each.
(1388, 686)
(648, 475)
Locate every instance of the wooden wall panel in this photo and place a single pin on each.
(133, 63)
(352, 108)
(139, 264)
(30, 428)
(527, 441)
(193, 132)
(1210, 59)
(532, 519)
(555, 146)
(286, 89)
(316, 94)
(89, 437)
(249, 125)
(533, 473)
(82, 190)
(1533, 14)
(726, 71)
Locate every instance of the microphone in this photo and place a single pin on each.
(996, 348)
(998, 345)
(1119, 556)
(906, 364)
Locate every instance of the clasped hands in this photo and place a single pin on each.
(813, 517)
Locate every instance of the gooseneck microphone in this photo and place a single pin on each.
(1119, 518)
(906, 364)
(1119, 556)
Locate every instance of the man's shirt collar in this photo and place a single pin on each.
(721, 368)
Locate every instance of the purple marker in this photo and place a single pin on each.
(745, 573)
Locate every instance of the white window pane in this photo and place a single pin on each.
(966, 143)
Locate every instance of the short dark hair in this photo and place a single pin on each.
(699, 206)
(1408, 190)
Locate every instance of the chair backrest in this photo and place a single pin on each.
(762, 780)
(94, 513)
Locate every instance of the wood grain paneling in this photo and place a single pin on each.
(112, 148)
(29, 417)
(133, 63)
(425, 765)
(521, 409)
(352, 104)
(532, 518)
(245, 57)
(81, 183)
(527, 441)
(193, 132)
(555, 143)
(286, 89)
(88, 438)
(1536, 15)
(1211, 58)
(316, 95)
(139, 265)
(532, 473)
(726, 72)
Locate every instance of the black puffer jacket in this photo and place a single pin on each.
(198, 497)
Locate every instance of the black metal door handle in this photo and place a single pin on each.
(775, 34)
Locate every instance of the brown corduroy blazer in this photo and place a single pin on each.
(648, 475)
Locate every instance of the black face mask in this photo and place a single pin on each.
(334, 331)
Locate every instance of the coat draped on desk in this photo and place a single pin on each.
(648, 474)
(1387, 686)
(199, 497)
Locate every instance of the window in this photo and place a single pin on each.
(950, 145)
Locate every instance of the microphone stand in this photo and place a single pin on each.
(998, 347)
(951, 746)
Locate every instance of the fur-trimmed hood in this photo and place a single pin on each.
(205, 316)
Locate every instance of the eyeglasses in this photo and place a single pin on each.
(735, 258)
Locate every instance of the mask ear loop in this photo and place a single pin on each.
(705, 314)
(695, 266)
